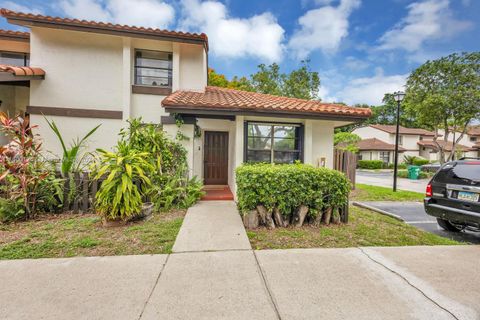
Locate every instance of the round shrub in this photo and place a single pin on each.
(289, 186)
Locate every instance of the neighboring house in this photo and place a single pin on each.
(429, 149)
(375, 149)
(85, 73)
(408, 138)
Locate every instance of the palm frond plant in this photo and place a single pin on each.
(119, 198)
(70, 158)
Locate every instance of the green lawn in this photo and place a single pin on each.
(365, 192)
(68, 235)
(365, 228)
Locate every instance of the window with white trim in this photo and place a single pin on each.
(385, 156)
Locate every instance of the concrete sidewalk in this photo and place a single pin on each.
(212, 225)
(356, 283)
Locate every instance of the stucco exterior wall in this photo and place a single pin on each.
(95, 71)
(369, 133)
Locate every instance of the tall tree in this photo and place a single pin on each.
(445, 94)
(300, 83)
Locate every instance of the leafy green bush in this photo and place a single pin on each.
(119, 197)
(286, 187)
(422, 175)
(370, 164)
(11, 209)
(400, 166)
(420, 161)
(170, 186)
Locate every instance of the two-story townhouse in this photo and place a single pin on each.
(384, 135)
(14, 91)
(88, 73)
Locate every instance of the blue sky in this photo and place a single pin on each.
(361, 48)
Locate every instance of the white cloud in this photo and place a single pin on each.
(20, 8)
(370, 90)
(426, 20)
(145, 13)
(322, 29)
(258, 36)
(355, 64)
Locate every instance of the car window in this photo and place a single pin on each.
(467, 172)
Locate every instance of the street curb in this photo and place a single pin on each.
(386, 213)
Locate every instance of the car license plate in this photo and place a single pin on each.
(469, 196)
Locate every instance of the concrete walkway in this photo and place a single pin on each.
(212, 226)
(356, 283)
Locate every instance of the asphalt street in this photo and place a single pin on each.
(413, 213)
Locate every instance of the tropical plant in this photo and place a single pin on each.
(70, 158)
(21, 164)
(119, 197)
(170, 186)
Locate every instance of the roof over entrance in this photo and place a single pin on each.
(375, 144)
(10, 73)
(215, 100)
(446, 146)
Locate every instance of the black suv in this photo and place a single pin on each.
(453, 195)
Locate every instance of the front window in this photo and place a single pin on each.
(274, 143)
(153, 68)
(385, 156)
(14, 59)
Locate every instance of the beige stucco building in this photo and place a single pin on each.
(81, 74)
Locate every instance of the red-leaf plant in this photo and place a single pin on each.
(20, 164)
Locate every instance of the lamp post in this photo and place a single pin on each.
(398, 96)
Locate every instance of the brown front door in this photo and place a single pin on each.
(215, 157)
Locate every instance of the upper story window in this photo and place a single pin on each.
(14, 58)
(153, 68)
(277, 143)
(473, 139)
(400, 140)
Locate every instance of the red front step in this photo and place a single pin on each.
(217, 193)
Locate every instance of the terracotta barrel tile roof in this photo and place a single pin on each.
(22, 71)
(29, 18)
(447, 146)
(403, 130)
(375, 144)
(473, 131)
(215, 98)
(14, 34)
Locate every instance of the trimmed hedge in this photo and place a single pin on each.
(370, 164)
(420, 161)
(422, 174)
(289, 186)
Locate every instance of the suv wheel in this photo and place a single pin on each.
(447, 225)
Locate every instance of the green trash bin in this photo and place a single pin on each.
(413, 172)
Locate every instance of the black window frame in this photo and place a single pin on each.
(22, 56)
(301, 139)
(169, 70)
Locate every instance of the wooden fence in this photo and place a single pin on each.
(84, 194)
(346, 162)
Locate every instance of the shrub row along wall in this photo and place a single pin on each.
(292, 194)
